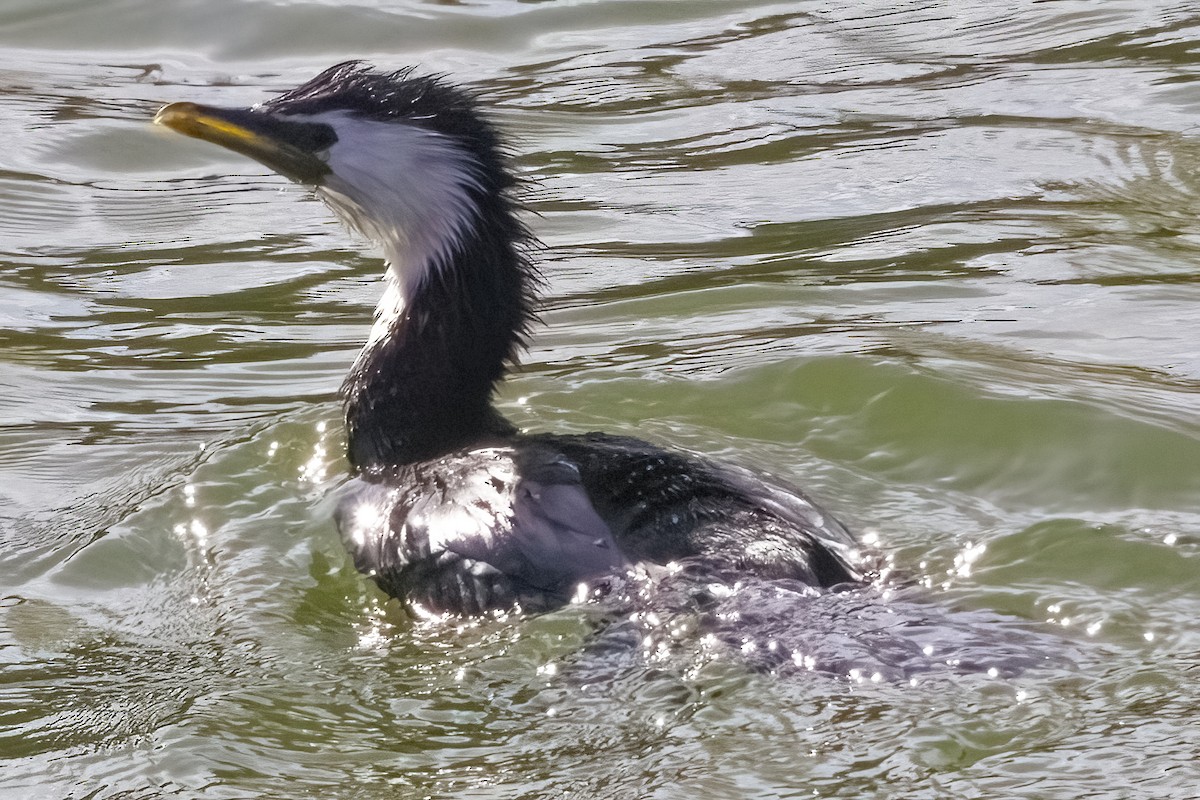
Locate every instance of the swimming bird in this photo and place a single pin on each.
(450, 508)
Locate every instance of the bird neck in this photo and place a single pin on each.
(423, 385)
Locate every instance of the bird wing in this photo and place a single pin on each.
(553, 537)
(480, 529)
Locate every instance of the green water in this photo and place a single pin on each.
(936, 262)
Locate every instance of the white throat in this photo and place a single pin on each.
(404, 187)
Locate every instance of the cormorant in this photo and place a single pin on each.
(451, 508)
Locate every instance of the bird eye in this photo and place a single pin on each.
(313, 137)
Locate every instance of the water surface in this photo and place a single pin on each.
(936, 263)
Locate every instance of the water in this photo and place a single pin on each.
(935, 262)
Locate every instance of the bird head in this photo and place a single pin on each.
(406, 160)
